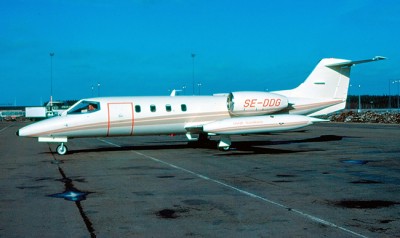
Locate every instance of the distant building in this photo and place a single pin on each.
(10, 113)
(14, 113)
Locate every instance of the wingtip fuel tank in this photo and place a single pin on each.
(260, 124)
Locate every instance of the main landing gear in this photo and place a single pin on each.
(62, 149)
(224, 143)
(203, 140)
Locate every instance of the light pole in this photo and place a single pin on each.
(51, 81)
(193, 55)
(398, 92)
(199, 85)
(183, 89)
(390, 99)
(348, 98)
(359, 98)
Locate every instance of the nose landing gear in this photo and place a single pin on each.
(62, 149)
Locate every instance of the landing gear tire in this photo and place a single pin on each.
(224, 143)
(62, 149)
(225, 148)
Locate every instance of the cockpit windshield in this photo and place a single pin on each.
(84, 107)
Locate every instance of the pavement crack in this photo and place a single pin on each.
(73, 194)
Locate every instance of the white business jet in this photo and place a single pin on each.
(323, 92)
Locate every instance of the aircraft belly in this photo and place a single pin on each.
(83, 133)
(162, 129)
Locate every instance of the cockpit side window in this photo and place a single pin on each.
(84, 107)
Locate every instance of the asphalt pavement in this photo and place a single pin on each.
(329, 180)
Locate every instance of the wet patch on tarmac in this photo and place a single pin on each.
(284, 180)
(195, 202)
(377, 178)
(73, 195)
(166, 176)
(70, 193)
(80, 180)
(365, 204)
(168, 213)
(143, 194)
(366, 181)
(189, 207)
(44, 179)
(70, 180)
(354, 161)
(285, 176)
(30, 187)
(385, 221)
(57, 162)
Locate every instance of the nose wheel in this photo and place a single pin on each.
(62, 149)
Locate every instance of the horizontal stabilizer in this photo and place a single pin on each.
(350, 63)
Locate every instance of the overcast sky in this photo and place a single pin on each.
(144, 47)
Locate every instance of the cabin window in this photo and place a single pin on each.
(183, 107)
(168, 108)
(84, 107)
(153, 108)
(137, 108)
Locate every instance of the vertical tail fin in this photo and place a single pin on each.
(329, 80)
(325, 89)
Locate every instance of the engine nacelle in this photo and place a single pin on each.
(255, 103)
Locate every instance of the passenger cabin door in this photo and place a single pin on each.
(120, 119)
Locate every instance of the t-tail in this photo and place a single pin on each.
(325, 89)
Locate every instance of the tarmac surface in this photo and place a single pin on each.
(330, 180)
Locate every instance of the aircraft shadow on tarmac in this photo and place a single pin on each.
(257, 147)
(237, 147)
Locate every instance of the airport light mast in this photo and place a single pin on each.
(394, 81)
(359, 98)
(193, 55)
(398, 92)
(199, 85)
(51, 81)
